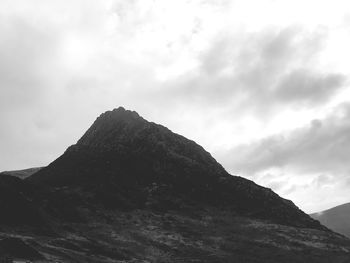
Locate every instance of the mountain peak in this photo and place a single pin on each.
(119, 113)
(126, 131)
(111, 127)
(120, 108)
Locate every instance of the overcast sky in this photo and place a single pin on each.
(263, 85)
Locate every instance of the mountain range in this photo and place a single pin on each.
(131, 190)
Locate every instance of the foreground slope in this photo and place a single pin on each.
(336, 218)
(209, 236)
(133, 191)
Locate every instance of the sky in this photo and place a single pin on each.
(263, 85)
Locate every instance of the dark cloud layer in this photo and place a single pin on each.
(259, 72)
(323, 147)
(305, 87)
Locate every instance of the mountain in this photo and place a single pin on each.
(128, 162)
(22, 174)
(336, 218)
(133, 191)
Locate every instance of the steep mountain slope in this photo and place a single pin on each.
(124, 161)
(336, 218)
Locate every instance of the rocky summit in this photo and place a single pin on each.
(133, 191)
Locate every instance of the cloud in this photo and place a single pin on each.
(322, 146)
(310, 160)
(24, 51)
(259, 72)
(301, 86)
(323, 180)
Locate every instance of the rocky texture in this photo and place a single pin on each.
(209, 236)
(336, 218)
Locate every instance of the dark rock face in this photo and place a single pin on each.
(126, 162)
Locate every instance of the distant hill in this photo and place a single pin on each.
(22, 174)
(336, 218)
